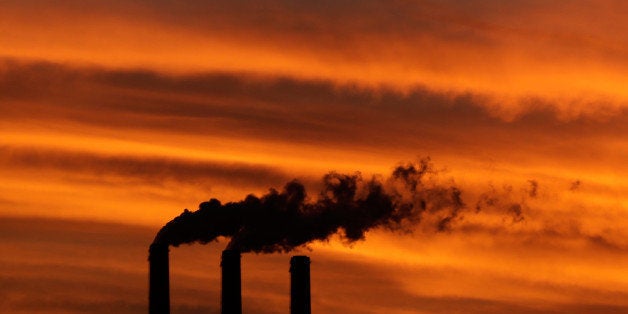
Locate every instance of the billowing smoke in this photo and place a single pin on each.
(347, 205)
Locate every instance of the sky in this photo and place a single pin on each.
(117, 115)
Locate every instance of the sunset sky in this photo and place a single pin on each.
(117, 115)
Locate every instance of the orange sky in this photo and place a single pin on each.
(117, 115)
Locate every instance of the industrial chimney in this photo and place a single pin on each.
(300, 302)
(231, 297)
(159, 279)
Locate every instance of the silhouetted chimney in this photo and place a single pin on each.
(300, 302)
(159, 279)
(231, 302)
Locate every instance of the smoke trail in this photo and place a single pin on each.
(507, 200)
(348, 205)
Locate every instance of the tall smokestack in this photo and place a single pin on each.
(231, 302)
(159, 279)
(300, 302)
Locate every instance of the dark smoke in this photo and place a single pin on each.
(534, 188)
(348, 205)
(575, 185)
(506, 200)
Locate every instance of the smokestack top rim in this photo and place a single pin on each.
(158, 247)
(229, 257)
(231, 253)
(299, 260)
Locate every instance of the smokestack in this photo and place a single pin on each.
(231, 302)
(300, 302)
(159, 279)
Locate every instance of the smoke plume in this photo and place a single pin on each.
(347, 205)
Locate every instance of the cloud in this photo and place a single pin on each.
(145, 169)
(482, 47)
(278, 108)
